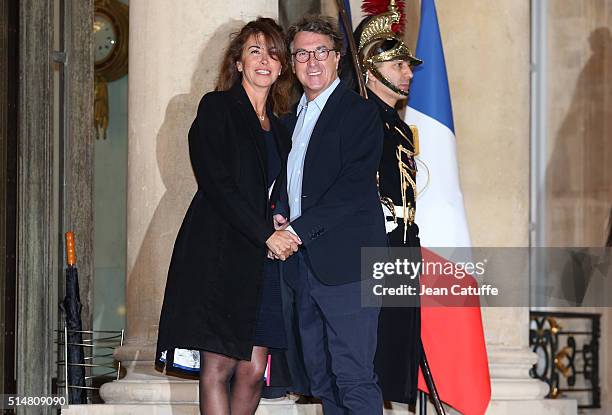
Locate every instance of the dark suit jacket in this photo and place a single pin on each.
(341, 211)
(215, 274)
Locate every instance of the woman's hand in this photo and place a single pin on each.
(282, 244)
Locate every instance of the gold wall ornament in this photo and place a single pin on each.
(110, 34)
(100, 106)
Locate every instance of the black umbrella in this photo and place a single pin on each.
(71, 306)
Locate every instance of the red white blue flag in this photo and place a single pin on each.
(453, 337)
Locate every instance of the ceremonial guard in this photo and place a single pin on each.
(386, 65)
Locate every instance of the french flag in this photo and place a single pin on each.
(440, 213)
(453, 337)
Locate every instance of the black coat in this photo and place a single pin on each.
(215, 275)
(341, 211)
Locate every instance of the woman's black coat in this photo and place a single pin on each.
(215, 276)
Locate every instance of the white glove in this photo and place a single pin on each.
(390, 225)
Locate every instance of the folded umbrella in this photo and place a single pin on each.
(71, 306)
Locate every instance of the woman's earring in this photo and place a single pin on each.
(367, 77)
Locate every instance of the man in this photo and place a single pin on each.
(335, 210)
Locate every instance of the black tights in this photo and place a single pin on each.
(216, 372)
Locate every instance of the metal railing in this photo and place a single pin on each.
(567, 345)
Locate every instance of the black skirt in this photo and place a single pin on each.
(270, 327)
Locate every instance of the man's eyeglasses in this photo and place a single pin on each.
(303, 56)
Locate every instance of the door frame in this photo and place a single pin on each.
(51, 201)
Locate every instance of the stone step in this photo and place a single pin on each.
(266, 408)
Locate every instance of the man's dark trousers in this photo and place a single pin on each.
(338, 339)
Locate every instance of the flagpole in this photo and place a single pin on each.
(431, 386)
(348, 28)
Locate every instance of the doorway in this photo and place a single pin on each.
(9, 75)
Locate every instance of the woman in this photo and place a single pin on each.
(222, 306)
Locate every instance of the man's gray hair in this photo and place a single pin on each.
(315, 23)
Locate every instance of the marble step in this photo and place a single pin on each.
(267, 408)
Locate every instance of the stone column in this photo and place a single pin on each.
(489, 78)
(175, 51)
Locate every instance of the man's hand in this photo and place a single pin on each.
(280, 222)
(282, 244)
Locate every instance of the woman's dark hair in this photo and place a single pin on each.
(323, 25)
(279, 96)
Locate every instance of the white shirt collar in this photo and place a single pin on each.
(320, 100)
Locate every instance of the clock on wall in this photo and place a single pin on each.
(110, 48)
(110, 37)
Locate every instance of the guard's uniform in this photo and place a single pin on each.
(399, 351)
